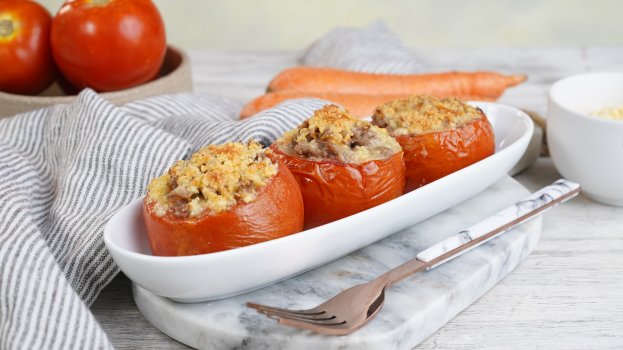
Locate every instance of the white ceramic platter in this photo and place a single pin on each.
(223, 274)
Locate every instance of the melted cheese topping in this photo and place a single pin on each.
(423, 114)
(213, 180)
(333, 133)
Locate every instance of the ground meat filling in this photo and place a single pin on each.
(213, 180)
(333, 134)
(418, 115)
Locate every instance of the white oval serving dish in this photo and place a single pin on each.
(223, 274)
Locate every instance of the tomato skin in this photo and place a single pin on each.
(276, 212)
(108, 45)
(26, 65)
(431, 156)
(332, 191)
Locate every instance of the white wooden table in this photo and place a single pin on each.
(567, 295)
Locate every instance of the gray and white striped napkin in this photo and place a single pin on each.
(67, 169)
(373, 49)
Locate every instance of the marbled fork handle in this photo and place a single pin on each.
(354, 307)
(487, 229)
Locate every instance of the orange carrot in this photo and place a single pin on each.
(360, 105)
(485, 84)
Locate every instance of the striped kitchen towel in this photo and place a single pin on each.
(67, 169)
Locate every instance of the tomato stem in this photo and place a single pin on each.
(6, 27)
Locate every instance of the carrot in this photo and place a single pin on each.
(360, 105)
(485, 84)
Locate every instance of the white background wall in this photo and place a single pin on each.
(275, 24)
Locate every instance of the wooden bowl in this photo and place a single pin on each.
(174, 77)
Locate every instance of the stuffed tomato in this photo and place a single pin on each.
(224, 197)
(343, 165)
(438, 135)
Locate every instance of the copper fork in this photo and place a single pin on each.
(354, 307)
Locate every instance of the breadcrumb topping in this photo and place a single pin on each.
(613, 113)
(213, 180)
(417, 115)
(333, 133)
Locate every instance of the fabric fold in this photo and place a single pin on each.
(371, 49)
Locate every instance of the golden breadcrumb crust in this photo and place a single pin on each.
(215, 179)
(417, 115)
(333, 133)
(613, 113)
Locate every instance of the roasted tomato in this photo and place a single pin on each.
(276, 212)
(439, 135)
(431, 156)
(26, 65)
(108, 45)
(332, 191)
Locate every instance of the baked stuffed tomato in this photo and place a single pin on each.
(343, 165)
(438, 135)
(224, 197)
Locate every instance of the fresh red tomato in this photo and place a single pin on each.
(108, 44)
(26, 65)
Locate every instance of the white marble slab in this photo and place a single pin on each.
(413, 310)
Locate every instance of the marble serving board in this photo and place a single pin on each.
(413, 310)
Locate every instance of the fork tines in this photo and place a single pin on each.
(305, 319)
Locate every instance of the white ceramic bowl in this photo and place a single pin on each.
(588, 149)
(231, 272)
